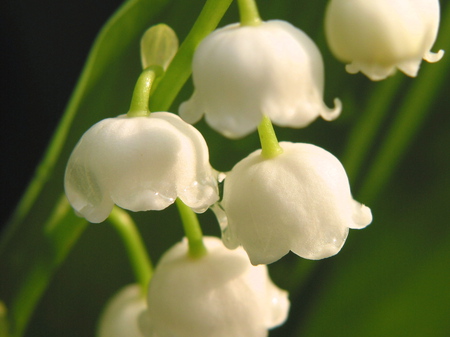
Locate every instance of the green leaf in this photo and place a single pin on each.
(44, 229)
(27, 257)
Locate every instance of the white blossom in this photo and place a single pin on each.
(378, 36)
(298, 201)
(218, 295)
(241, 73)
(121, 313)
(139, 163)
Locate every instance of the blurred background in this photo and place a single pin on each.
(390, 279)
(44, 46)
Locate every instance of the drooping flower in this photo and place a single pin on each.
(378, 36)
(121, 314)
(139, 163)
(218, 295)
(241, 73)
(298, 201)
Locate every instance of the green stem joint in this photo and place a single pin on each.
(248, 12)
(269, 142)
(192, 230)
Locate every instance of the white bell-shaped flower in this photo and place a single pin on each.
(218, 295)
(298, 201)
(241, 73)
(378, 36)
(121, 314)
(139, 163)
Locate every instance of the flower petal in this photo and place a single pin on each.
(121, 314)
(378, 37)
(298, 201)
(241, 73)
(204, 297)
(140, 163)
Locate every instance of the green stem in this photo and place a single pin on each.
(409, 118)
(268, 139)
(192, 230)
(141, 94)
(180, 68)
(134, 245)
(248, 12)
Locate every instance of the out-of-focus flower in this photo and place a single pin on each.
(121, 314)
(299, 200)
(378, 36)
(218, 295)
(139, 163)
(241, 73)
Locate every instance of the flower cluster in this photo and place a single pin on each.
(284, 197)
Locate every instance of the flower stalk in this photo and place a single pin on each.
(140, 260)
(248, 12)
(192, 230)
(139, 106)
(268, 139)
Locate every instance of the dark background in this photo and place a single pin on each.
(43, 48)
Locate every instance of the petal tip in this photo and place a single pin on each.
(434, 57)
(331, 114)
(362, 216)
(189, 111)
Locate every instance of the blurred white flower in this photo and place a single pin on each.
(378, 36)
(139, 163)
(241, 73)
(299, 200)
(121, 313)
(218, 295)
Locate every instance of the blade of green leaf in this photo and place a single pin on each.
(118, 35)
(60, 233)
(29, 256)
(366, 128)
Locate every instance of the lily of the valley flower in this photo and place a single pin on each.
(121, 314)
(241, 73)
(139, 163)
(218, 295)
(298, 201)
(378, 36)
